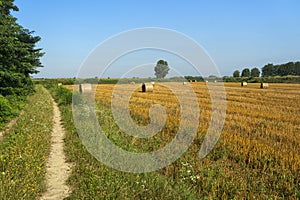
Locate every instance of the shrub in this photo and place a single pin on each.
(62, 95)
(17, 103)
(5, 110)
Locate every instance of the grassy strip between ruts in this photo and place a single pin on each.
(91, 179)
(24, 151)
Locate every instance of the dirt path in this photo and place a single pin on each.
(57, 168)
(10, 125)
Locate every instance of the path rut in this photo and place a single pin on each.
(10, 125)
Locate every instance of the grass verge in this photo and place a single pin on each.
(24, 151)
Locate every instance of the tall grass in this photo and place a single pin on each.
(25, 148)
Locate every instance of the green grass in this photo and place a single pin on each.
(25, 148)
(91, 179)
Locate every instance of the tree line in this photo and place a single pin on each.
(290, 68)
(19, 57)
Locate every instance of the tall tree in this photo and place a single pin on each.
(255, 72)
(19, 57)
(161, 69)
(269, 70)
(246, 72)
(236, 73)
(286, 69)
(297, 68)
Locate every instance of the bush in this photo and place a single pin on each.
(62, 95)
(5, 110)
(17, 103)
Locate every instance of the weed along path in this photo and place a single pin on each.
(58, 169)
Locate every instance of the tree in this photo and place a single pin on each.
(255, 72)
(19, 57)
(297, 68)
(246, 72)
(286, 69)
(161, 69)
(236, 73)
(269, 70)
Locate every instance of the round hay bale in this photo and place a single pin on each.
(184, 83)
(153, 83)
(264, 85)
(132, 83)
(243, 84)
(59, 84)
(85, 88)
(147, 87)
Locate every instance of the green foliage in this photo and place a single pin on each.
(246, 72)
(19, 58)
(5, 110)
(161, 69)
(47, 81)
(25, 148)
(297, 68)
(15, 84)
(268, 70)
(269, 79)
(72, 81)
(236, 73)
(197, 78)
(287, 69)
(10, 106)
(290, 68)
(62, 95)
(255, 72)
(108, 81)
(17, 102)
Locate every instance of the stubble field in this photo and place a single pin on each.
(257, 155)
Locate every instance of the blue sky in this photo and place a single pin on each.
(236, 34)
